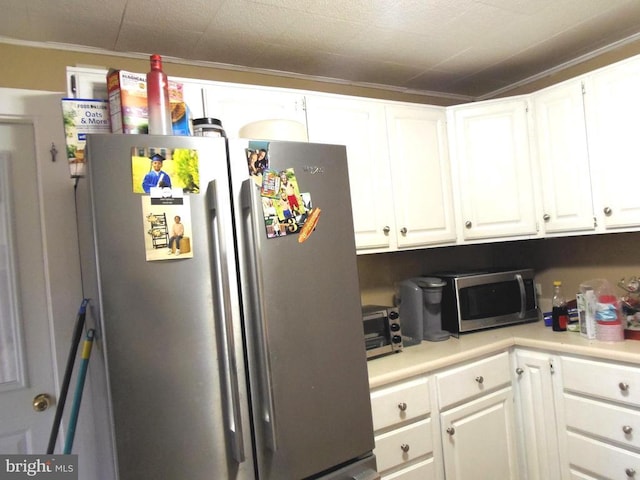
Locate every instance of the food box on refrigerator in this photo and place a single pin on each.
(128, 103)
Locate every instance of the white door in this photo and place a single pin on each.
(237, 106)
(612, 102)
(26, 360)
(493, 165)
(361, 126)
(421, 175)
(561, 140)
(46, 292)
(478, 439)
(536, 402)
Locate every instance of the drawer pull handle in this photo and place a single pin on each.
(519, 370)
(402, 406)
(480, 379)
(404, 447)
(630, 472)
(627, 429)
(451, 431)
(623, 386)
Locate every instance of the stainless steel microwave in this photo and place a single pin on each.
(382, 331)
(484, 299)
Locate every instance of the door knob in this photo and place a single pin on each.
(41, 402)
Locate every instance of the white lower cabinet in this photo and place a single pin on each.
(601, 421)
(403, 430)
(477, 420)
(535, 402)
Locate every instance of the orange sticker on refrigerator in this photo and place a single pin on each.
(310, 225)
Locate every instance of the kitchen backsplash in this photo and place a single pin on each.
(570, 259)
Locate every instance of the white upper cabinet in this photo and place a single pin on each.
(239, 105)
(360, 125)
(492, 165)
(421, 176)
(561, 146)
(612, 105)
(86, 83)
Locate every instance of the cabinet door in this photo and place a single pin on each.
(360, 125)
(537, 414)
(493, 166)
(237, 106)
(561, 140)
(420, 174)
(612, 105)
(479, 440)
(87, 83)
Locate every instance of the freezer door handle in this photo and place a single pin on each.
(231, 392)
(254, 223)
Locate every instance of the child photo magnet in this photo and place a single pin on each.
(164, 168)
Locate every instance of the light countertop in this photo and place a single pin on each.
(429, 356)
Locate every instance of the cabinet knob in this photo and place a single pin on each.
(519, 371)
(468, 224)
(546, 217)
(607, 211)
(630, 472)
(627, 429)
(403, 230)
(404, 447)
(451, 431)
(402, 406)
(386, 229)
(480, 379)
(624, 387)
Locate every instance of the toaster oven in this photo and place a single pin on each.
(382, 331)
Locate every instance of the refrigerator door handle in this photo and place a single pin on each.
(231, 392)
(253, 218)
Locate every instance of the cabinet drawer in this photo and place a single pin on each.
(471, 380)
(399, 403)
(403, 445)
(601, 459)
(420, 471)
(612, 422)
(603, 380)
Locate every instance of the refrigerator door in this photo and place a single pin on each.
(303, 319)
(173, 348)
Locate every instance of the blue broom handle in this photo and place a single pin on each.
(77, 396)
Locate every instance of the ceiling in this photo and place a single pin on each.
(466, 48)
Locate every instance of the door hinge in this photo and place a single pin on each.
(53, 151)
(551, 367)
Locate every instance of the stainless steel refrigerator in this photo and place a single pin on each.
(236, 351)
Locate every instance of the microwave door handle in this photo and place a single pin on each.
(230, 392)
(523, 295)
(253, 224)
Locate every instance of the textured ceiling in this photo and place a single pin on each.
(470, 48)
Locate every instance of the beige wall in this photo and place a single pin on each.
(44, 69)
(571, 260)
(38, 68)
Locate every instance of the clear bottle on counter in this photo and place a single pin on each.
(158, 99)
(559, 312)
